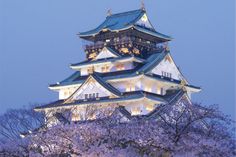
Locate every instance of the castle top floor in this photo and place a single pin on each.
(125, 32)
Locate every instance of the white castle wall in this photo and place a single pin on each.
(112, 68)
(167, 65)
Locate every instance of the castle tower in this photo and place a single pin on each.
(128, 63)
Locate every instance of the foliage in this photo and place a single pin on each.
(185, 130)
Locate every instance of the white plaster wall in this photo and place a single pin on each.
(127, 66)
(69, 92)
(90, 88)
(83, 71)
(122, 85)
(169, 67)
(112, 67)
(142, 106)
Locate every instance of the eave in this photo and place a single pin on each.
(80, 65)
(133, 97)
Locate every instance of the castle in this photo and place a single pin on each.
(128, 63)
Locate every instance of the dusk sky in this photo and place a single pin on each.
(38, 41)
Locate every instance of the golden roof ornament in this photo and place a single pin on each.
(142, 5)
(182, 84)
(109, 13)
(166, 46)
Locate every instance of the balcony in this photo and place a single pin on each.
(123, 41)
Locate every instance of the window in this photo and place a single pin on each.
(120, 67)
(105, 68)
(135, 111)
(149, 107)
(148, 89)
(162, 91)
(166, 74)
(91, 96)
(65, 93)
(158, 90)
(92, 116)
(75, 116)
(94, 95)
(130, 88)
(90, 70)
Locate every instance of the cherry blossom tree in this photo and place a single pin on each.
(179, 129)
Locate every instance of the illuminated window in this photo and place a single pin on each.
(135, 111)
(148, 89)
(130, 88)
(65, 93)
(120, 67)
(92, 117)
(105, 68)
(158, 90)
(90, 70)
(149, 107)
(70, 92)
(75, 117)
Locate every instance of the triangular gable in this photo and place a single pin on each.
(107, 53)
(166, 67)
(175, 101)
(152, 61)
(144, 22)
(93, 88)
(120, 114)
(178, 96)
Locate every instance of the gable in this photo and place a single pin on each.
(144, 21)
(167, 68)
(90, 89)
(106, 53)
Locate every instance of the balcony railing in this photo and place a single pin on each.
(123, 41)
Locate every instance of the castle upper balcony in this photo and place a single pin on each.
(124, 43)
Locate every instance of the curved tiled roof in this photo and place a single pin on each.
(103, 60)
(141, 69)
(117, 22)
(123, 21)
(125, 96)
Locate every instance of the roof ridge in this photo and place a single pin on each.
(126, 12)
(104, 83)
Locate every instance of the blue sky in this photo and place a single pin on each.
(38, 42)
